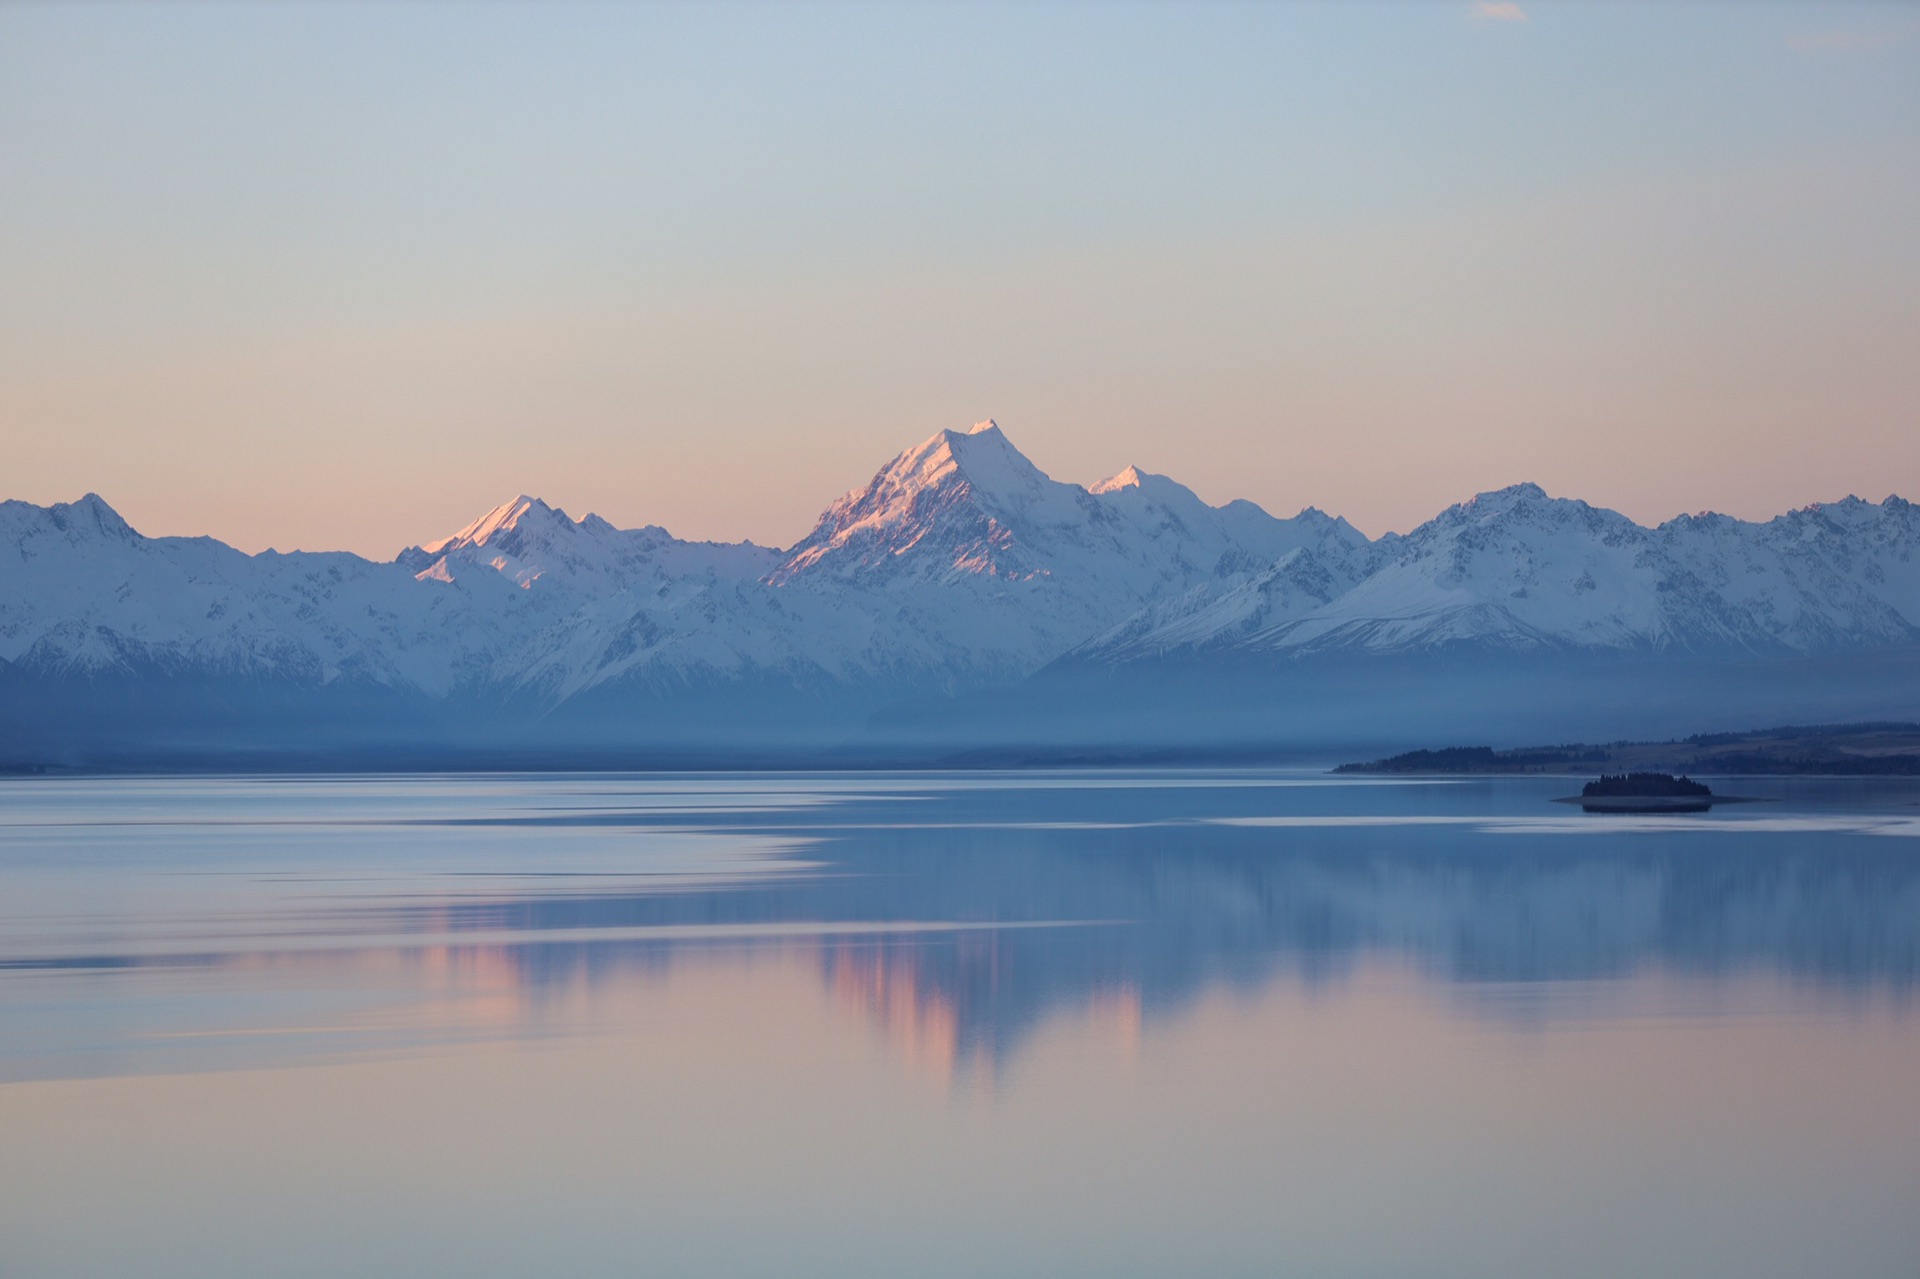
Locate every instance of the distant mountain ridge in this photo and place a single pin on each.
(1515, 569)
(960, 568)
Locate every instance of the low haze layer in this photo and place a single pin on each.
(960, 598)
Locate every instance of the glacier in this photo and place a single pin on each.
(960, 601)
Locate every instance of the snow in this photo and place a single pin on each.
(1131, 478)
(1515, 569)
(959, 564)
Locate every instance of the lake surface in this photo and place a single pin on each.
(1044, 1023)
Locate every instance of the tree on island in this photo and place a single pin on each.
(1644, 784)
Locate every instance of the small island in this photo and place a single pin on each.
(1647, 785)
(1647, 793)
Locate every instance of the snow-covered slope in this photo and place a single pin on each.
(528, 541)
(1221, 614)
(82, 593)
(962, 556)
(1511, 569)
(604, 603)
(1824, 578)
(966, 506)
(1516, 570)
(959, 566)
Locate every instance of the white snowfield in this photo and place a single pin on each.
(1517, 570)
(959, 565)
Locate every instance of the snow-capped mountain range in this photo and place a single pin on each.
(1518, 570)
(959, 566)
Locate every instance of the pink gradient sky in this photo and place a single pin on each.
(346, 277)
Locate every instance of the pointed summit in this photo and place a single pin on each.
(526, 540)
(1134, 485)
(87, 517)
(94, 509)
(954, 500)
(505, 538)
(967, 506)
(1511, 495)
(1495, 503)
(503, 518)
(1131, 478)
(981, 459)
(997, 471)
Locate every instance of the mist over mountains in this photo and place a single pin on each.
(961, 601)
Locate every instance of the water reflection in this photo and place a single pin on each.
(225, 923)
(1109, 1024)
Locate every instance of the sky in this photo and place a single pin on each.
(347, 275)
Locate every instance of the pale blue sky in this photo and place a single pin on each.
(345, 275)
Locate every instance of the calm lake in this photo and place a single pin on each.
(1093, 1023)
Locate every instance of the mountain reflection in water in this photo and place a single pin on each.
(233, 922)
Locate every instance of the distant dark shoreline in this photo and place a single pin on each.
(1829, 750)
(1012, 758)
(1840, 750)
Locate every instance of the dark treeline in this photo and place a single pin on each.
(1882, 749)
(1640, 785)
(1481, 759)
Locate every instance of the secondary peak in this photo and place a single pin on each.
(1131, 478)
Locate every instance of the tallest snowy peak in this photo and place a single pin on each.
(960, 491)
(981, 457)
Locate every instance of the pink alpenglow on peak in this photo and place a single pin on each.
(1136, 483)
(1025, 554)
(972, 483)
(528, 541)
(502, 518)
(959, 565)
(1131, 478)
